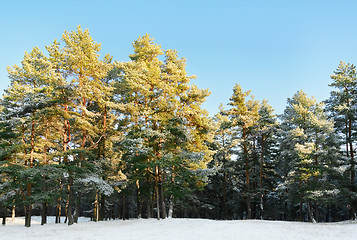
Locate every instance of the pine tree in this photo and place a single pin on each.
(79, 89)
(164, 115)
(307, 131)
(220, 184)
(266, 134)
(342, 106)
(244, 116)
(26, 98)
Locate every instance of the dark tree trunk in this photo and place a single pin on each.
(254, 209)
(138, 203)
(113, 212)
(157, 203)
(171, 207)
(300, 212)
(123, 208)
(28, 206)
(311, 213)
(70, 201)
(316, 212)
(162, 201)
(58, 211)
(76, 211)
(120, 209)
(351, 154)
(148, 208)
(261, 177)
(157, 193)
(44, 213)
(224, 196)
(245, 151)
(102, 207)
(28, 210)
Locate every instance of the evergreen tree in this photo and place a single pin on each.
(267, 144)
(342, 106)
(220, 186)
(82, 95)
(26, 99)
(164, 115)
(244, 116)
(307, 132)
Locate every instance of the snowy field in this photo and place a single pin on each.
(185, 229)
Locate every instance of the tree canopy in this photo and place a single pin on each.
(82, 134)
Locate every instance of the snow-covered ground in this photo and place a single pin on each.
(151, 229)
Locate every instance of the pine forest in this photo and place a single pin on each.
(82, 134)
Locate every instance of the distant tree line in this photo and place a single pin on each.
(82, 135)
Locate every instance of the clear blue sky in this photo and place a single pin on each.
(273, 48)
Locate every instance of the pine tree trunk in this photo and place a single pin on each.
(157, 192)
(44, 213)
(261, 178)
(66, 135)
(171, 200)
(316, 177)
(57, 217)
(96, 208)
(102, 207)
(24, 143)
(76, 211)
(28, 210)
(300, 211)
(351, 153)
(171, 207)
(32, 139)
(138, 203)
(44, 204)
(113, 212)
(148, 208)
(162, 202)
(70, 200)
(316, 212)
(261, 205)
(58, 211)
(157, 202)
(245, 152)
(119, 210)
(84, 132)
(28, 207)
(13, 212)
(66, 210)
(224, 183)
(353, 171)
(311, 214)
(124, 207)
(224, 196)
(347, 141)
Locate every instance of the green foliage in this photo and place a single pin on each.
(82, 122)
(80, 130)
